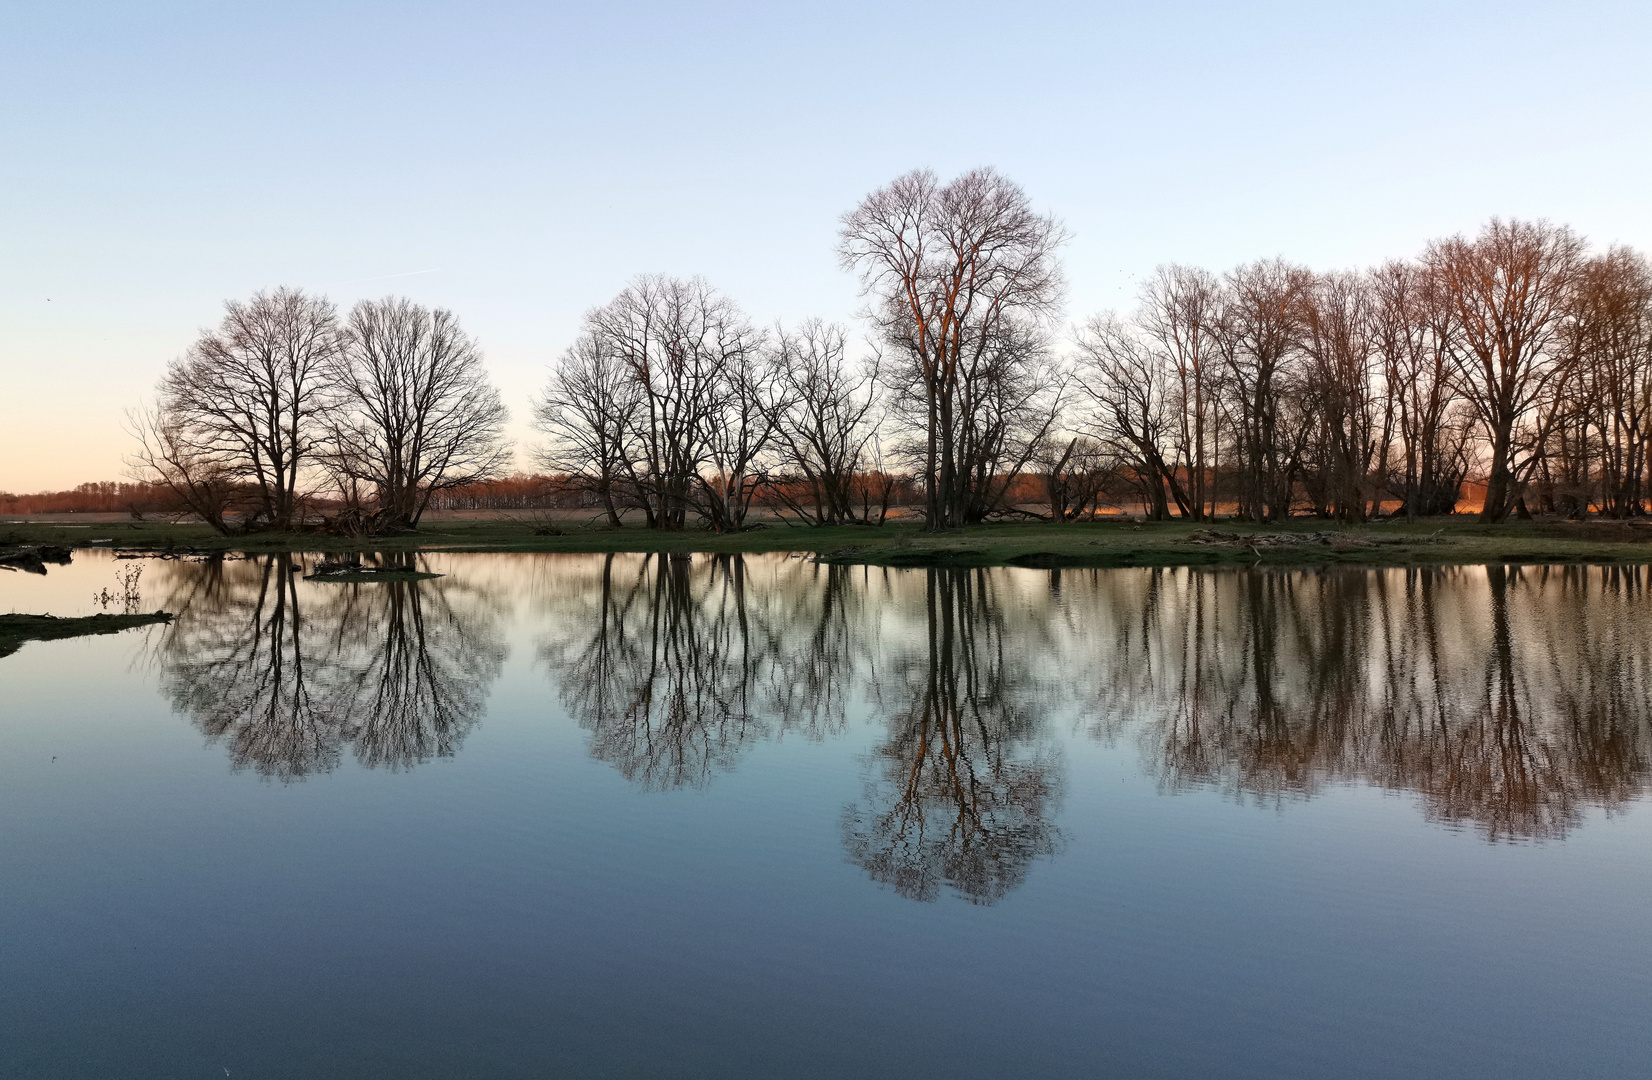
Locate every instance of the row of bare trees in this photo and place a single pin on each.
(671, 402)
(285, 401)
(1513, 357)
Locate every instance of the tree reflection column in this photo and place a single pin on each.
(957, 797)
(288, 676)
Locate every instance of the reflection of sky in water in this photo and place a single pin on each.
(671, 817)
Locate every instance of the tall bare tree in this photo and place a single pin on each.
(242, 407)
(1415, 339)
(416, 413)
(962, 281)
(1134, 407)
(678, 342)
(742, 432)
(1262, 336)
(1509, 290)
(1181, 312)
(589, 410)
(1610, 336)
(1340, 376)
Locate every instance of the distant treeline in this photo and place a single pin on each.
(518, 492)
(105, 497)
(1516, 361)
(521, 491)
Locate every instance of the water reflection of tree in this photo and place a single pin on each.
(1506, 698)
(957, 798)
(288, 676)
(675, 668)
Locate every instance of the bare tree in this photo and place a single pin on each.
(1415, 338)
(1262, 331)
(1181, 312)
(1509, 290)
(826, 426)
(1340, 378)
(416, 414)
(668, 403)
(743, 427)
(242, 408)
(589, 409)
(679, 345)
(200, 483)
(1134, 406)
(1610, 337)
(963, 282)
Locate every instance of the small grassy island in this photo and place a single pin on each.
(17, 629)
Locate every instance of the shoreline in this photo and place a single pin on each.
(1039, 545)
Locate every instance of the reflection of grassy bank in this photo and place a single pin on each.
(16, 629)
(1102, 543)
(371, 574)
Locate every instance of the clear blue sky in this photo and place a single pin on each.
(156, 158)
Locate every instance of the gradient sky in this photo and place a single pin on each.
(519, 162)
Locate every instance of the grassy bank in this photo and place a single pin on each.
(1100, 543)
(17, 629)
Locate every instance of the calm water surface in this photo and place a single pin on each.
(579, 816)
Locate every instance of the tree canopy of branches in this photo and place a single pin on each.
(413, 410)
(1509, 291)
(962, 282)
(1609, 350)
(826, 428)
(236, 419)
(1181, 316)
(1133, 412)
(1414, 339)
(663, 404)
(1263, 325)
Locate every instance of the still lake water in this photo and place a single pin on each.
(636, 817)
